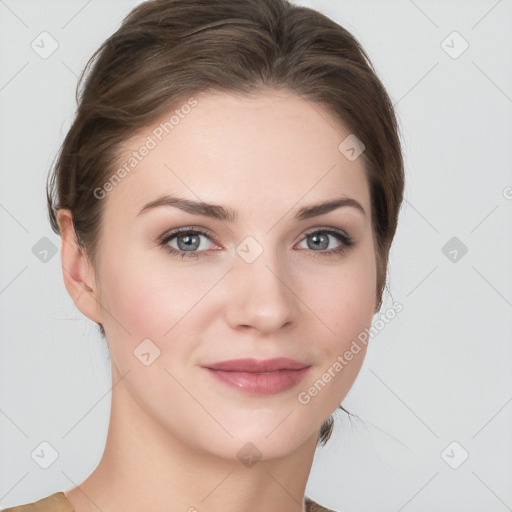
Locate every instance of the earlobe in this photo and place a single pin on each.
(77, 271)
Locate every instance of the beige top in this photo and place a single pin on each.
(55, 503)
(58, 503)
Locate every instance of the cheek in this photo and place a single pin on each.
(344, 305)
(131, 303)
(150, 298)
(344, 300)
(142, 295)
(346, 316)
(354, 310)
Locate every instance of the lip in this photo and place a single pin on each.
(259, 376)
(257, 365)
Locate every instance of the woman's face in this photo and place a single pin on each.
(266, 284)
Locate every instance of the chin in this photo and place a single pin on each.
(260, 440)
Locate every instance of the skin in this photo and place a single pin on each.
(174, 431)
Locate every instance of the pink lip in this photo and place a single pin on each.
(260, 377)
(257, 365)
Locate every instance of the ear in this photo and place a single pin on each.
(77, 270)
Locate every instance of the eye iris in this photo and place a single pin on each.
(320, 245)
(189, 241)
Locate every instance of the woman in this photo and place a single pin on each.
(226, 197)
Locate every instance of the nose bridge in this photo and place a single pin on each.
(261, 292)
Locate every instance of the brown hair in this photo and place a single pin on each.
(165, 51)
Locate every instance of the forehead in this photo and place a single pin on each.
(268, 151)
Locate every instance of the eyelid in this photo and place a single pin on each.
(209, 234)
(172, 233)
(346, 241)
(326, 228)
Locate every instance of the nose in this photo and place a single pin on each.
(261, 295)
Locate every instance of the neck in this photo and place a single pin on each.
(145, 467)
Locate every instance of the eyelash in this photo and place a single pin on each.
(347, 242)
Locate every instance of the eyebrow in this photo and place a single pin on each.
(223, 213)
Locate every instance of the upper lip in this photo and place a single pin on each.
(257, 365)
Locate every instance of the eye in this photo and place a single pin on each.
(188, 241)
(189, 244)
(320, 240)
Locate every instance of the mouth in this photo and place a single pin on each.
(259, 377)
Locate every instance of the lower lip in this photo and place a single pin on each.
(260, 383)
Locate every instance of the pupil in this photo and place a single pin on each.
(318, 238)
(189, 241)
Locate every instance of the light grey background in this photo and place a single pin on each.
(439, 372)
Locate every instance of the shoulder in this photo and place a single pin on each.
(54, 503)
(312, 506)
